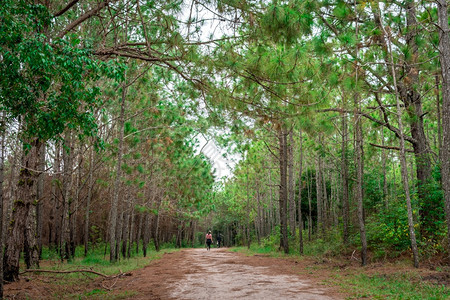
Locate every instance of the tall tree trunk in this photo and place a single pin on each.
(139, 232)
(444, 49)
(156, 225)
(291, 188)
(116, 188)
(344, 175)
(146, 236)
(248, 212)
(283, 190)
(88, 201)
(74, 210)
(403, 165)
(131, 235)
(359, 195)
(413, 104)
(40, 198)
(383, 165)
(299, 205)
(67, 194)
(22, 227)
(53, 222)
(438, 113)
(2, 167)
(412, 100)
(319, 193)
(309, 185)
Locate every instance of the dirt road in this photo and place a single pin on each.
(220, 274)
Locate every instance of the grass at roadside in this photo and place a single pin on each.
(388, 286)
(377, 281)
(82, 285)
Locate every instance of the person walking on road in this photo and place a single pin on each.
(209, 240)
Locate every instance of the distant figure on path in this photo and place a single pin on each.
(218, 239)
(209, 240)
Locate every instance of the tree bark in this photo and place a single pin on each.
(444, 49)
(67, 194)
(2, 167)
(21, 224)
(291, 188)
(299, 205)
(403, 164)
(88, 201)
(319, 193)
(116, 188)
(344, 174)
(39, 196)
(282, 136)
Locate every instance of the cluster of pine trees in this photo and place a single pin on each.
(339, 108)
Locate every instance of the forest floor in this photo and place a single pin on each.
(224, 274)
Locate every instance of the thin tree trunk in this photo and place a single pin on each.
(299, 205)
(139, 232)
(116, 188)
(291, 187)
(67, 188)
(444, 49)
(383, 165)
(438, 111)
(283, 190)
(40, 196)
(344, 174)
(403, 164)
(146, 236)
(248, 212)
(54, 203)
(88, 201)
(76, 201)
(309, 185)
(131, 235)
(359, 195)
(319, 187)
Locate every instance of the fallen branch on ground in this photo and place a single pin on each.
(65, 272)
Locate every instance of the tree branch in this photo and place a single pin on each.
(390, 147)
(83, 18)
(66, 8)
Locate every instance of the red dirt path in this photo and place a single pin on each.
(201, 274)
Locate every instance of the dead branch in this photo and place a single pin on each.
(391, 147)
(67, 272)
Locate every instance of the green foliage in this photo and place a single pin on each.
(388, 229)
(53, 82)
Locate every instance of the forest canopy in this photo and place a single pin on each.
(339, 111)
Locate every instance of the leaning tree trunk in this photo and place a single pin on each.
(21, 224)
(283, 190)
(444, 47)
(116, 188)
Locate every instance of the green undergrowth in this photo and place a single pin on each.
(388, 286)
(77, 285)
(98, 261)
(390, 281)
